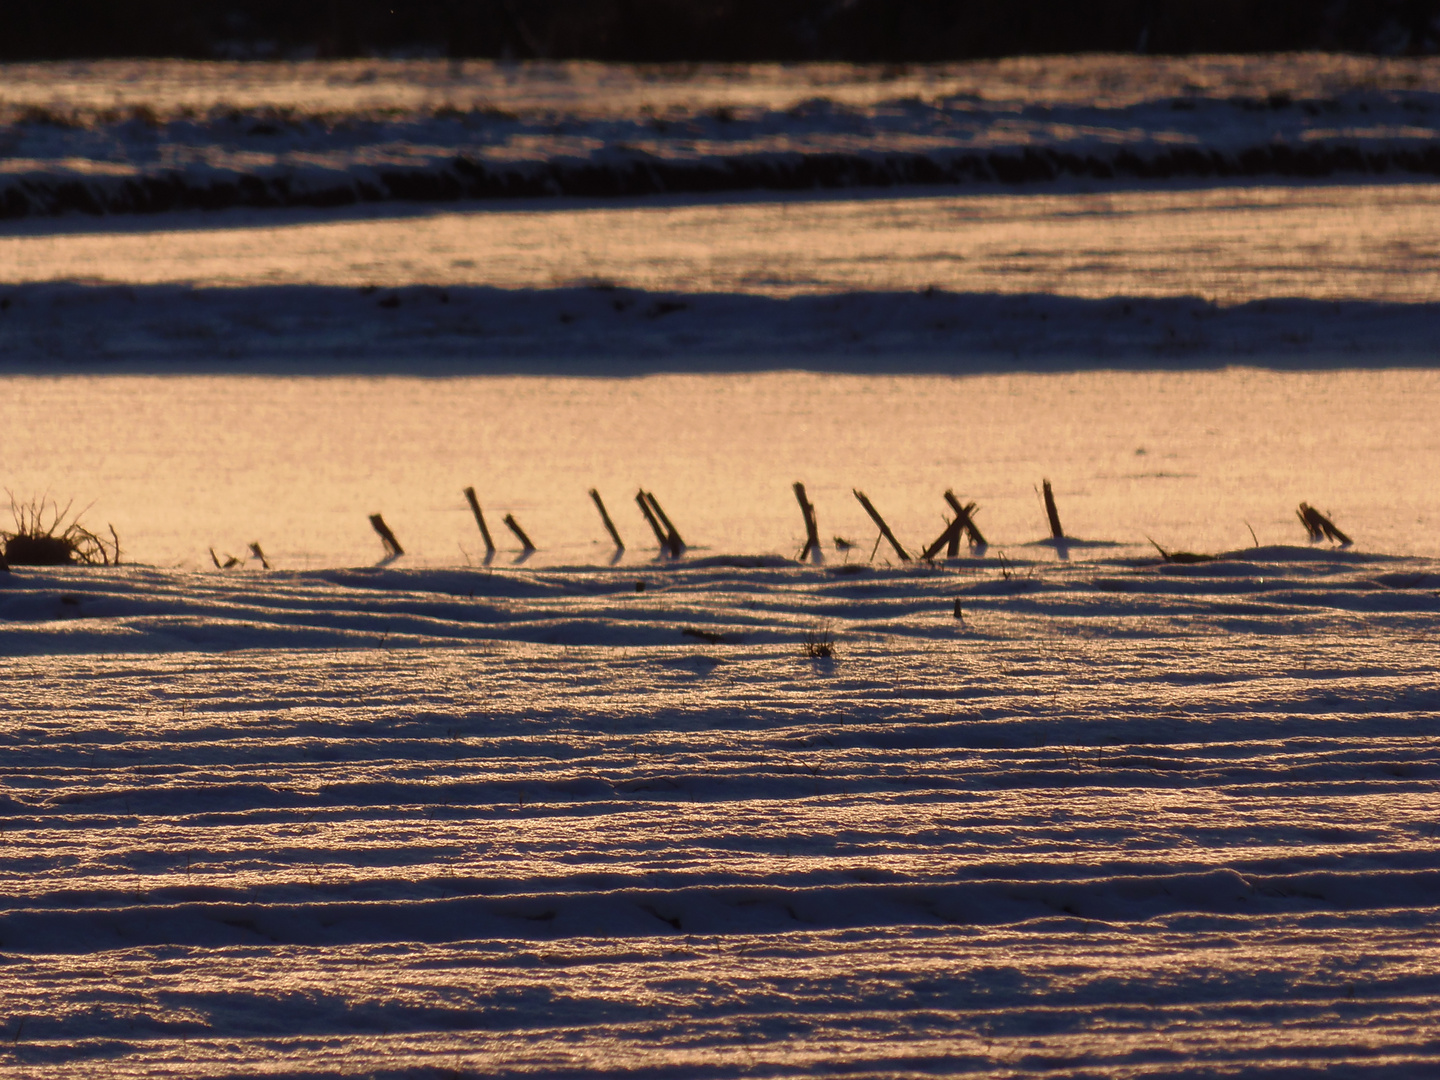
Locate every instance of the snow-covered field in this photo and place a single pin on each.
(1120, 820)
(1103, 816)
(1196, 459)
(153, 136)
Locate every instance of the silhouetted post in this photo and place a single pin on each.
(644, 505)
(479, 520)
(812, 529)
(392, 546)
(519, 533)
(672, 536)
(966, 516)
(605, 517)
(1054, 515)
(949, 539)
(1317, 525)
(884, 529)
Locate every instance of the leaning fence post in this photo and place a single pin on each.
(966, 515)
(1062, 546)
(644, 505)
(519, 533)
(392, 546)
(605, 517)
(884, 529)
(812, 529)
(480, 520)
(1054, 515)
(672, 535)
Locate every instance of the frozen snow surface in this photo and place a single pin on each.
(1122, 818)
(120, 137)
(1013, 814)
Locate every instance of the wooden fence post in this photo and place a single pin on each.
(884, 529)
(605, 517)
(644, 505)
(966, 515)
(392, 546)
(480, 520)
(1318, 526)
(672, 535)
(812, 529)
(1054, 515)
(519, 533)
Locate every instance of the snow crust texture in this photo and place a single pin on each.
(155, 136)
(1117, 819)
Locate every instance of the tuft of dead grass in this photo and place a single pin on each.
(47, 535)
(820, 642)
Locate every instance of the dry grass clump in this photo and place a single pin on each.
(46, 535)
(820, 642)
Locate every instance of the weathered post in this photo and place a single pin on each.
(1317, 525)
(480, 520)
(605, 517)
(672, 536)
(812, 529)
(644, 505)
(884, 529)
(519, 533)
(1054, 515)
(964, 523)
(950, 537)
(966, 516)
(1062, 544)
(393, 549)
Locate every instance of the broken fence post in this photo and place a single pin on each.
(949, 539)
(644, 505)
(605, 517)
(519, 533)
(1054, 515)
(672, 536)
(812, 529)
(966, 516)
(1319, 526)
(479, 520)
(884, 529)
(392, 546)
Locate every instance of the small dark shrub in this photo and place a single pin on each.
(45, 535)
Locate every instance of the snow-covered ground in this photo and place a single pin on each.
(1102, 816)
(149, 136)
(1371, 243)
(1120, 820)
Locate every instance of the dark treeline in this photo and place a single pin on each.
(699, 30)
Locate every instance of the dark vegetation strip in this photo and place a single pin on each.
(43, 194)
(717, 30)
